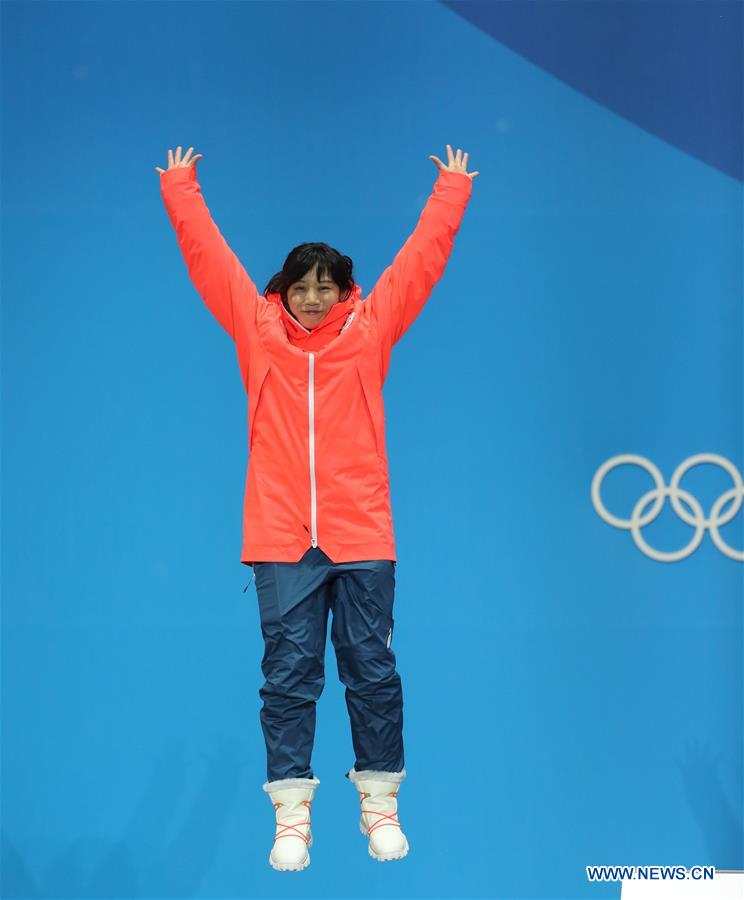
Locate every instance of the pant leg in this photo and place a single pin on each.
(362, 595)
(293, 601)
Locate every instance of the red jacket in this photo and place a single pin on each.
(317, 469)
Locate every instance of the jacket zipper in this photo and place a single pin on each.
(311, 409)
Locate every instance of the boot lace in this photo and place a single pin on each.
(392, 818)
(292, 830)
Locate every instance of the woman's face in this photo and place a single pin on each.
(309, 299)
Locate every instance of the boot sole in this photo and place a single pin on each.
(384, 857)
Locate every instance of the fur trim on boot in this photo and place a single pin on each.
(269, 786)
(375, 775)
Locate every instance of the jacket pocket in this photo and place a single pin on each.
(373, 406)
(255, 392)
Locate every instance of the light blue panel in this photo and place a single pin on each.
(568, 700)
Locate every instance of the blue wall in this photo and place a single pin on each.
(570, 699)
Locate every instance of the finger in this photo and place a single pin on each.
(473, 174)
(465, 160)
(178, 155)
(170, 158)
(450, 157)
(459, 156)
(196, 158)
(187, 157)
(437, 162)
(158, 170)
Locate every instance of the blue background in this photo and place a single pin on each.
(568, 700)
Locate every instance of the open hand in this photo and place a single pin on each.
(458, 163)
(177, 162)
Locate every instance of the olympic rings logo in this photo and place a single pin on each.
(675, 493)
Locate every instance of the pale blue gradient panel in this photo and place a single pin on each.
(568, 700)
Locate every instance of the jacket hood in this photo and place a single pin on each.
(331, 325)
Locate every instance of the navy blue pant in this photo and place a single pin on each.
(294, 601)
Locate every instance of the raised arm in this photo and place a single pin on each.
(404, 287)
(214, 269)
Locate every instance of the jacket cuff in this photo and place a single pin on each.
(180, 173)
(454, 186)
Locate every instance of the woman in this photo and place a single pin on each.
(317, 523)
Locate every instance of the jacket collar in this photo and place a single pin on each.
(318, 337)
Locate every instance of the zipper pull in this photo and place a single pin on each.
(249, 583)
(313, 542)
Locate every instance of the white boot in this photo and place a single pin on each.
(291, 798)
(378, 797)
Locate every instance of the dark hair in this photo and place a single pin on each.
(302, 259)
